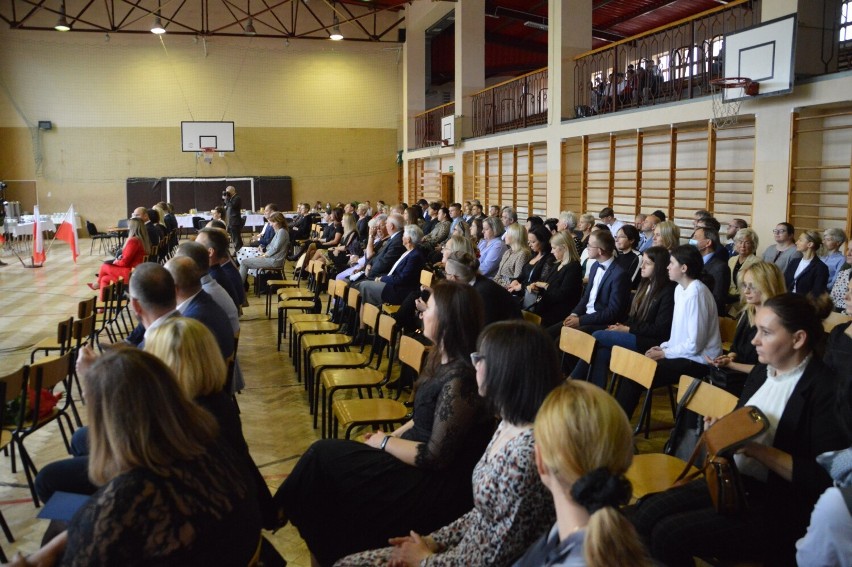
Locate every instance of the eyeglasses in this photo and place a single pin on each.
(476, 357)
(779, 231)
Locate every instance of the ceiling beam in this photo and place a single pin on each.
(647, 9)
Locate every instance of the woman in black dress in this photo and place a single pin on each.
(539, 266)
(346, 496)
(561, 289)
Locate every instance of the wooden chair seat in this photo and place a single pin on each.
(654, 472)
(379, 412)
(335, 379)
(389, 308)
(337, 359)
(327, 340)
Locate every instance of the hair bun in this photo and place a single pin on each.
(600, 488)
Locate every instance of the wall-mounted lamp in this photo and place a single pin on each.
(158, 28)
(62, 24)
(335, 31)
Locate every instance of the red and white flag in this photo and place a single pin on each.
(67, 232)
(38, 238)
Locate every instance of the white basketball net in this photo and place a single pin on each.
(725, 113)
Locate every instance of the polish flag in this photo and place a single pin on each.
(38, 238)
(68, 233)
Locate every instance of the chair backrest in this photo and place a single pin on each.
(833, 320)
(387, 324)
(633, 365)
(577, 343)
(426, 278)
(122, 223)
(50, 371)
(83, 331)
(64, 330)
(727, 329)
(340, 287)
(354, 299)
(14, 384)
(533, 318)
(332, 288)
(91, 228)
(411, 353)
(707, 400)
(370, 316)
(86, 307)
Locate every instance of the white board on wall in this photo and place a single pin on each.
(195, 136)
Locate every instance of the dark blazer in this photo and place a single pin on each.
(612, 301)
(812, 281)
(405, 279)
(218, 273)
(499, 305)
(301, 228)
(807, 428)
(233, 211)
(564, 288)
(170, 221)
(267, 235)
(204, 309)
(386, 257)
(153, 233)
(656, 326)
(363, 228)
(137, 335)
(718, 269)
(631, 262)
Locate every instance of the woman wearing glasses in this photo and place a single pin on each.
(784, 248)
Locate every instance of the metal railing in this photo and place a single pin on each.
(510, 105)
(670, 63)
(427, 125)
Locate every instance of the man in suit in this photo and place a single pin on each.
(607, 296)
(222, 270)
(152, 298)
(195, 303)
(233, 215)
(706, 239)
(380, 264)
(404, 275)
(141, 213)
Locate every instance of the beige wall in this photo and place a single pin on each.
(327, 116)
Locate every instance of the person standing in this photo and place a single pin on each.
(233, 207)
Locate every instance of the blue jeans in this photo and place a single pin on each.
(603, 352)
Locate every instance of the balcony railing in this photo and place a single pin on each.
(670, 63)
(427, 125)
(510, 105)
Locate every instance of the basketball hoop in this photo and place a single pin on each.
(208, 154)
(727, 112)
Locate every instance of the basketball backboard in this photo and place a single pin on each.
(764, 53)
(195, 136)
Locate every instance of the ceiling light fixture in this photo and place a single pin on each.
(335, 31)
(158, 28)
(536, 25)
(249, 29)
(62, 24)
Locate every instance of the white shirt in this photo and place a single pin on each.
(406, 253)
(599, 274)
(695, 325)
(799, 269)
(159, 322)
(615, 226)
(771, 398)
(182, 305)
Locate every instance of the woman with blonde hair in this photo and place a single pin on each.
(491, 247)
(667, 235)
(807, 275)
(562, 287)
(515, 257)
(746, 242)
(584, 229)
(169, 492)
(136, 247)
(350, 244)
(584, 446)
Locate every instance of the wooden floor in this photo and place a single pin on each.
(275, 418)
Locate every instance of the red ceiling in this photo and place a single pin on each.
(512, 48)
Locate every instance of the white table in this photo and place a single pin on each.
(253, 220)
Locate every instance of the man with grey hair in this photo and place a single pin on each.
(381, 263)
(376, 237)
(402, 278)
(152, 299)
(195, 303)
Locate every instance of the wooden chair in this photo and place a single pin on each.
(320, 335)
(656, 472)
(626, 364)
(532, 318)
(381, 411)
(331, 380)
(62, 342)
(578, 344)
(833, 320)
(11, 387)
(46, 374)
(304, 304)
(426, 278)
(727, 330)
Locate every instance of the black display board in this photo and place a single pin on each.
(203, 194)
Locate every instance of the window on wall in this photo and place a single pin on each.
(513, 175)
(820, 186)
(846, 21)
(678, 170)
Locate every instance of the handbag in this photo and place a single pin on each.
(688, 426)
(720, 471)
(530, 299)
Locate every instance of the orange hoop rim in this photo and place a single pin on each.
(208, 150)
(731, 82)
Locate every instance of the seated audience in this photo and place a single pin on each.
(515, 257)
(841, 283)
(648, 322)
(667, 235)
(539, 264)
(419, 476)
(402, 278)
(376, 237)
(476, 233)
(627, 256)
(491, 246)
(706, 240)
(744, 254)
(562, 285)
(276, 253)
(258, 243)
(781, 477)
(730, 234)
(350, 245)
(646, 238)
(516, 367)
(498, 305)
(440, 230)
(222, 268)
(833, 240)
(584, 228)
(135, 248)
(584, 447)
(169, 491)
(785, 248)
(807, 275)
(694, 334)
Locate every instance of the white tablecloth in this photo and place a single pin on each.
(26, 228)
(185, 221)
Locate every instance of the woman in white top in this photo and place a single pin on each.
(694, 334)
(779, 471)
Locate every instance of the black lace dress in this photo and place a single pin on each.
(345, 496)
(203, 513)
